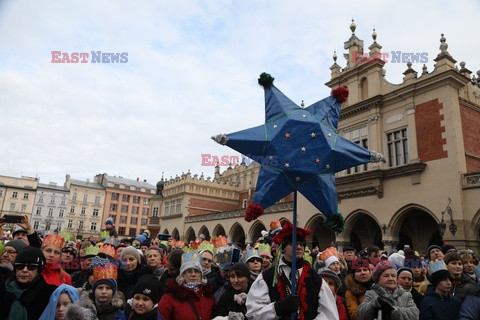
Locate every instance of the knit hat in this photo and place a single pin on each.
(382, 266)
(447, 247)
(16, 244)
(109, 221)
(331, 260)
(145, 243)
(399, 271)
(430, 249)
(330, 274)
(397, 259)
(349, 248)
(438, 276)
(133, 251)
(31, 255)
(141, 238)
(240, 268)
(148, 285)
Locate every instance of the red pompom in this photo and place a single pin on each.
(254, 210)
(340, 93)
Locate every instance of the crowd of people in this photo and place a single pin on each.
(146, 277)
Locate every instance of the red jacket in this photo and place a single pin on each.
(174, 304)
(342, 311)
(53, 274)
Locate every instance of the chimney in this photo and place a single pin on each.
(144, 180)
(137, 179)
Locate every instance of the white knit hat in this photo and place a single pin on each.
(331, 260)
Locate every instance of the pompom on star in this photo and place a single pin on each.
(285, 136)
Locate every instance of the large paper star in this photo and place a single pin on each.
(298, 149)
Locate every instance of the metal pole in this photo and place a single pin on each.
(294, 249)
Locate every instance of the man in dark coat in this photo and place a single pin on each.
(25, 296)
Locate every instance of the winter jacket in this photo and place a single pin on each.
(174, 303)
(470, 309)
(128, 314)
(342, 311)
(126, 280)
(354, 295)
(466, 283)
(107, 312)
(437, 307)
(417, 297)
(34, 298)
(399, 302)
(53, 274)
(227, 304)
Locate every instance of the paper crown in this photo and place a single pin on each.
(206, 246)
(194, 244)
(108, 250)
(223, 257)
(111, 240)
(104, 234)
(219, 242)
(327, 253)
(103, 269)
(91, 251)
(180, 244)
(287, 232)
(436, 266)
(477, 271)
(190, 257)
(275, 226)
(264, 249)
(2, 247)
(252, 253)
(53, 240)
(67, 236)
(307, 257)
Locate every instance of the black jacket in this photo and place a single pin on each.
(226, 303)
(127, 280)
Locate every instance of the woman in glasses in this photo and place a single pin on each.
(189, 296)
(26, 295)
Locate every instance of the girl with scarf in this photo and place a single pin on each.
(190, 296)
(59, 300)
(234, 297)
(53, 272)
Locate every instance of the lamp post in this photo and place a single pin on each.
(442, 225)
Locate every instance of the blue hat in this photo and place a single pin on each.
(109, 221)
(141, 238)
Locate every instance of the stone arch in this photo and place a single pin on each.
(363, 229)
(204, 230)
(175, 234)
(416, 226)
(190, 235)
(237, 234)
(321, 236)
(474, 228)
(255, 231)
(165, 231)
(219, 230)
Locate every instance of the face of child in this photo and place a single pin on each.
(63, 302)
(331, 284)
(142, 304)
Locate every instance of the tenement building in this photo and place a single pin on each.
(428, 190)
(50, 207)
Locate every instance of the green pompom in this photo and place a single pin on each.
(265, 80)
(335, 222)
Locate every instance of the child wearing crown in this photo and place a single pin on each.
(52, 249)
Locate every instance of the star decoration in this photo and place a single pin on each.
(304, 115)
(304, 149)
(316, 183)
(275, 126)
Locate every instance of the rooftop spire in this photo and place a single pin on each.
(353, 27)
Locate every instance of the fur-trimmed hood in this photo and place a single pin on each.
(118, 300)
(355, 287)
(81, 310)
(181, 293)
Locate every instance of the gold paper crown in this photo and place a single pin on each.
(220, 241)
(53, 240)
(274, 225)
(103, 269)
(264, 247)
(436, 266)
(206, 246)
(67, 236)
(91, 250)
(107, 249)
(327, 253)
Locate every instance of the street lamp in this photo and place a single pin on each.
(442, 225)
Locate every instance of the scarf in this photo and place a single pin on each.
(193, 285)
(298, 265)
(284, 289)
(17, 310)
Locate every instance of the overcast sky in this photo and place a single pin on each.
(191, 73)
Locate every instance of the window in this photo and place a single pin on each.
(113, 207)
(35, 225)
(14, 194)
(360, 137)
(136, 199)
(397, 148)
(59, 226)
(135, 210)
(97, 199)
(39, 211)
(95, 212)
(47, 226)
(70, 224)
(178, 206)
(63, 200)
(72, 209)
(244, 205)
(80, 225)
(93, 226)
(60, 213)
(114, 196)
(40, 198)
(123, 219)
(83, 210)
(146, 201)
(74, 196)
(167, 207)
(52, 200)
(121, 231)
(12, 206)
(132, 232)
(125, 198)
(24, 208)
(155, 212)
(133, 220)
(85, 197)
(124, 208)
(145, 211)
(25, 196)
(144, 222)
(50, 212)
(1, 193)
(114, 218)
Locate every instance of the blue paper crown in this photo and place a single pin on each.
(252, 253)
(111, 240)
(436, 266)
(190, 257)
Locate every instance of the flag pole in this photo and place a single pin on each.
(294, 249)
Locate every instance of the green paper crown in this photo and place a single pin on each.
(91, 251)
(67, 236)
(307, 257)
(2, 247)
(264, 247)
(104, 234)
(206, 246)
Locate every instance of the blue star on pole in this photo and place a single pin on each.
(298, 149)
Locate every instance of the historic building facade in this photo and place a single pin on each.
(127, 202)
(84, 207)
(427, 127)
(50, 207)
(17, 194)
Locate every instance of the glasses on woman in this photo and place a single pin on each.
(30, 266)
